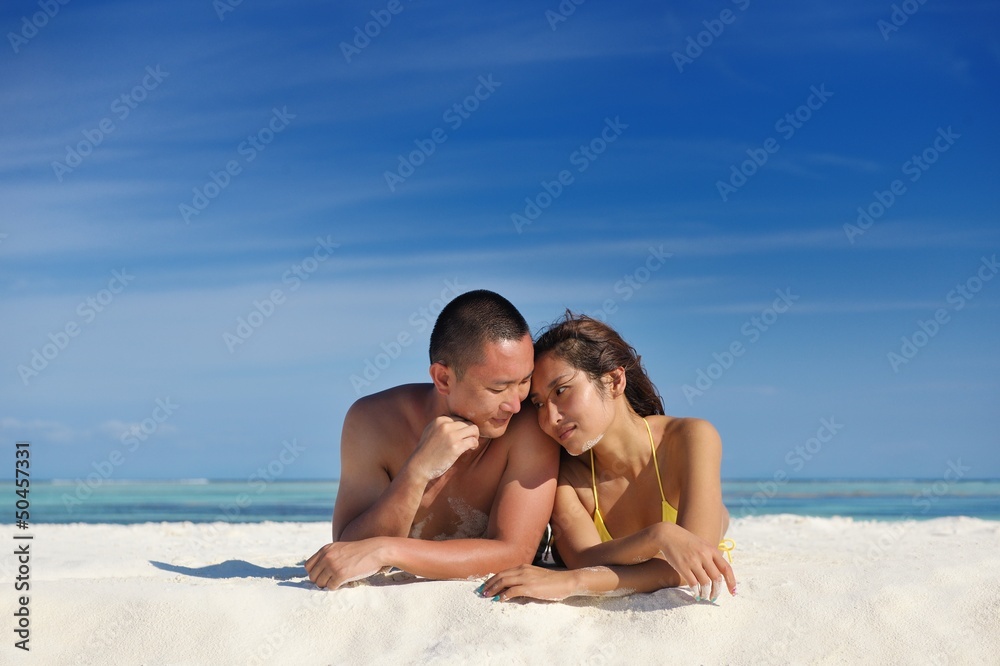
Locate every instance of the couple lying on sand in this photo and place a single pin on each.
(458, 478)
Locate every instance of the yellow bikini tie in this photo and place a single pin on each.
(727, 546)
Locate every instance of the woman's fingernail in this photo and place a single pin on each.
(496, 598)
(479, 590)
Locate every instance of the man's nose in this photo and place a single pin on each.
(512, 402)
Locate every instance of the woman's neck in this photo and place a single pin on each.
(624, 449)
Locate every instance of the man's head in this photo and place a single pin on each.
(481, 359)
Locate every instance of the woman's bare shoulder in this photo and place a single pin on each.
(686, 433)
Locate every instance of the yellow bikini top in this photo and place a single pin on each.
(667, 512)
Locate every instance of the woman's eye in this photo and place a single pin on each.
(559, 391)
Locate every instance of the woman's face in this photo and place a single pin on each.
(571, 408)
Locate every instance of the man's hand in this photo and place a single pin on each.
(442, 442)
(336, 564)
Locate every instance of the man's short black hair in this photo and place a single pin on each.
(470, 321)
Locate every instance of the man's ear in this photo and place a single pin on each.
(442, 377)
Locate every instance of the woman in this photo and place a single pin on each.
(639, 503)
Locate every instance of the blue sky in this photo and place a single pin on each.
(685, 171)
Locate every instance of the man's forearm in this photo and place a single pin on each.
(392, 514)
(455, 558)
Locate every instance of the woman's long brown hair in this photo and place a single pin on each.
(595, 348)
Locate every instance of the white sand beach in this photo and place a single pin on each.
(811, 590)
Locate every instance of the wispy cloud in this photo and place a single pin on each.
(39, 428)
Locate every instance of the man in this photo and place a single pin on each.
(449, 479)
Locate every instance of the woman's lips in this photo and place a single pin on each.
(563, 434)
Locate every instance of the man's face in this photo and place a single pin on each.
(490, 393)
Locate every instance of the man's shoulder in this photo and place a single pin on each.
(523, 426)
(404, 397)
(574, 471)
(386, 414)
(524, 438)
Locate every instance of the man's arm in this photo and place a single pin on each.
(369, 503)
(517, 519)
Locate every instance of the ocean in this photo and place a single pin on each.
(201, 500)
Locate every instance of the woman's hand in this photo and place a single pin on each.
(529, 581)
(699, 563)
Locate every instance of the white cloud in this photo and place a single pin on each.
(39, 428)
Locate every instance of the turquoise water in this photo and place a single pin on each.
(240, 501)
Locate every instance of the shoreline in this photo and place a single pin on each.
(130, 502)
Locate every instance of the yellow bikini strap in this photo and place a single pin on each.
(656, 465)
(593, 479)
(727, 546)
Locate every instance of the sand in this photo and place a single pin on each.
(811, 590)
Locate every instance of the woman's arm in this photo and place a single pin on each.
(647, 560)
(677, 558)
(692, 558)
(698, 465)
(580, 546)
(555, 585)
